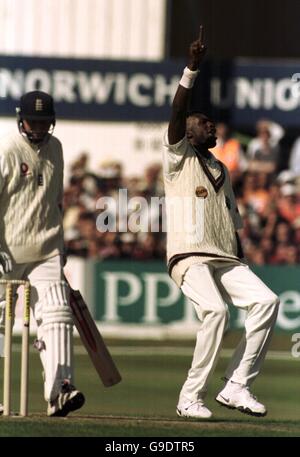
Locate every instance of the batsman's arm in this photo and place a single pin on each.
(60, 171)
(5, 258)
(177, 124)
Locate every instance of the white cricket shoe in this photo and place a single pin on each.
(195, 410)
(1, 409)
(69, 399)
(237, 396)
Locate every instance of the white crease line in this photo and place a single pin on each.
(165, 351)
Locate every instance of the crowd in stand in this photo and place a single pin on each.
(266, 181)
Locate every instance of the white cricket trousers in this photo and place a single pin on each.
(53, 316)
(40, 274)
(209, 287)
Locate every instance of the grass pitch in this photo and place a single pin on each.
(144, 403)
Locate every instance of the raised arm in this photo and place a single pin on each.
(177, 124)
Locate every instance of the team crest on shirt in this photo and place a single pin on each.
(24, 169)
(201, 192)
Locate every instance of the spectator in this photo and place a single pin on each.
(283, 233)
(292, 255)
(266, 246)
(294, 160)
(229, 151)
(270, 209)
(255, 192)
(263, 151)
(275, 130)
(288, 203)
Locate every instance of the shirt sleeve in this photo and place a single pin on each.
(3, 171)
(173, 155)
(237, 219)
(60, 194)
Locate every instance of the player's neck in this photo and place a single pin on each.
(201, 149)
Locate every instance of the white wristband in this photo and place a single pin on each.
(188, 78)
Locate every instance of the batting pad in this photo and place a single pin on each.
(56, 331)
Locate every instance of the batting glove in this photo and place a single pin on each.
(5, 263)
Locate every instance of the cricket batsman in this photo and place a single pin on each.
(207, 262)
(31, 241)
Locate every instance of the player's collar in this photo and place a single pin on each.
(218, 182)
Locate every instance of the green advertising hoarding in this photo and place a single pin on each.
(131, 292)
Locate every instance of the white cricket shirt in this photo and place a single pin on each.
(31, 189)
(209, 205)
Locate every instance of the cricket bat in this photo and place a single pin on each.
(93, 341)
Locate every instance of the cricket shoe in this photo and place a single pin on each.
(69, 399)
(193, 410)
(1, 409)
(237, 396)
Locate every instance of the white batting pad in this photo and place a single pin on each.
(2, 316)
(56, 331)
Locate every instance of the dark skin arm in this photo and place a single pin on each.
(177, 124)
(240, 252)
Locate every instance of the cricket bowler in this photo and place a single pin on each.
(207, 262)
(31, 242)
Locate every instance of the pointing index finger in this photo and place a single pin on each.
(201, 34)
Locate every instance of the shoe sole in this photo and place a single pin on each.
(71, 405)
(195, 418)
(242, 410)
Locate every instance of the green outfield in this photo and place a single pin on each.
(144, 403)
